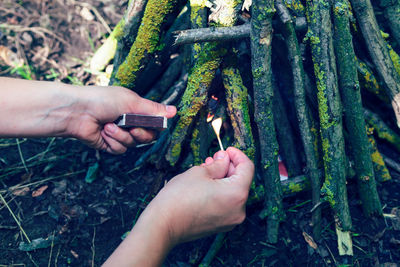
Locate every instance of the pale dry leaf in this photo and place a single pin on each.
(310, 241)
(74, 254)
(86, 14)
(21, 192)
(39, 191)
(41, 55)
(9, 58)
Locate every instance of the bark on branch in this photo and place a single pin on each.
(378, 51)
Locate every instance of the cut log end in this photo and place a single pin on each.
(345, 244)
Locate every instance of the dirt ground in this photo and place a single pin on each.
(79, 219)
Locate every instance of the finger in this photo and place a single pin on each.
(113, 146)
(244, 167)
(209, 160)
(141, 135)
(149, 107)
(123, 137)
(219, 167)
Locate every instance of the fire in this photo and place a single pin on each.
(216, 124)
(212, 106)
(210, 117)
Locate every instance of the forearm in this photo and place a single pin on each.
(36, 108)
(146, 245)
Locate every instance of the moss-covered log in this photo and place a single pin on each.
(238, 106)
(146, 42)
(391, 10)
(378, 51)
(330, 114)
(202, 74)
(130, 24)
(310, 143)
(261, 39)
(353, 110)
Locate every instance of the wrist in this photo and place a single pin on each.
(78, 100)
(147, 244)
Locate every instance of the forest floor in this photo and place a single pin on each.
(81, 221)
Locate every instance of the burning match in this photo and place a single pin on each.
(216, 124)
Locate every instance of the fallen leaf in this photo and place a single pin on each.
(39, 191)
(310, 241)
(91, 174)
(86, 14)
(101, 210)
(21, 192)
(9, 58)
(74, 254)
(37, 243)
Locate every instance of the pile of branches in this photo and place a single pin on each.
(319, 78)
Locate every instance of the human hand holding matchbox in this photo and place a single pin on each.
(129, 120)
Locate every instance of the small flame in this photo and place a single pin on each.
(210, 117)
(214, 97)
(216, 124)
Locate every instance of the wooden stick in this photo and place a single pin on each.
(353, 110)
(330, 113)
(309, 139)
(261, 39)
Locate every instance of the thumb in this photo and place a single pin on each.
(219, 168)
(148, 107)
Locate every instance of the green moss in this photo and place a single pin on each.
(118, 31)
(327, 190)
(195, 146)
(381, 172)
(395, 58)
(176, 151)
(146, 41)
(258, 73)
(296, 6)
(294, 188)
(340, 8)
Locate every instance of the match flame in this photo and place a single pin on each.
(210, 117)
(216, 124)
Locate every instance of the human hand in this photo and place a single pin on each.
(203, 200)
(97, 108)
(206, 199)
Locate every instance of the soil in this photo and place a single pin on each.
(43, 180)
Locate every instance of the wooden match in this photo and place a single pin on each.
(143, 121)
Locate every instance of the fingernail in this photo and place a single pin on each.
(170, 108)
(220, 155)
(111, 128)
